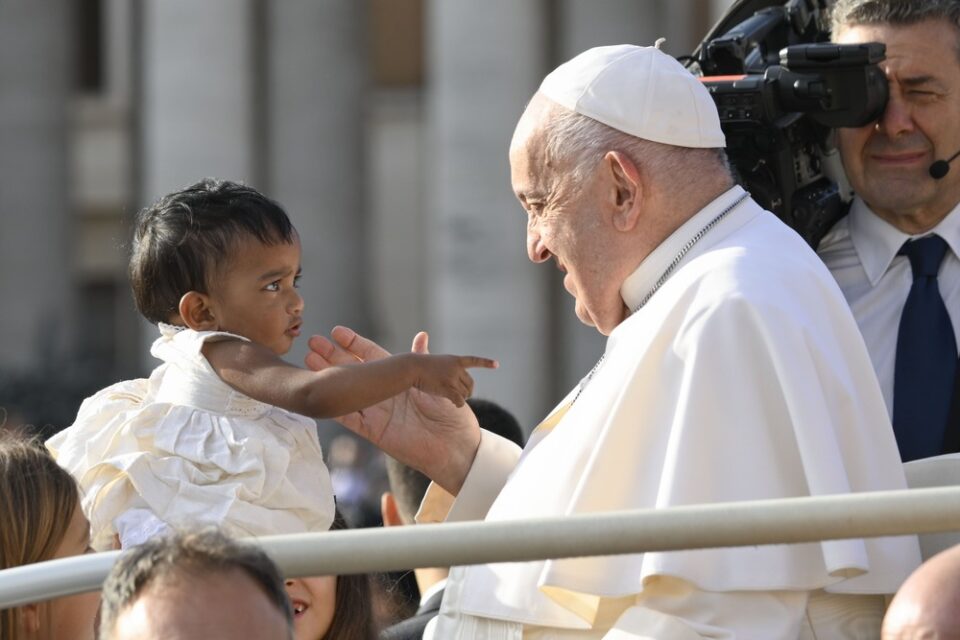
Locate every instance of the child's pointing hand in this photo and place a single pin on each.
(447, 376)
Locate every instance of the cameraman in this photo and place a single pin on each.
(895, 254)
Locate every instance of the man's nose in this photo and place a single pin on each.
(535, 249)
(897, 118)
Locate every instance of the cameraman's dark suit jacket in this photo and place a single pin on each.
(412, 628)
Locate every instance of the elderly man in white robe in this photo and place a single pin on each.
(733, 371)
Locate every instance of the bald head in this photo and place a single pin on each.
(199, 584)
(227, 605)
(927, 606)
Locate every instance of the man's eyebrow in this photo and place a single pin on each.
(916, 81)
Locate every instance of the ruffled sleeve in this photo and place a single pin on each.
(91, 439)
(183, 448)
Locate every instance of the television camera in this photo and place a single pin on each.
(781, 89)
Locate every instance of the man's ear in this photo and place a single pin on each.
(388, 510)
(196, 312)
(30, 618)
(626, 190)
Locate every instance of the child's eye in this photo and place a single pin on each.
(296, 281)
(273, 286)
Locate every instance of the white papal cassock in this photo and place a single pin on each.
(743, 378)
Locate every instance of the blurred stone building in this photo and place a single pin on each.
(381, 125)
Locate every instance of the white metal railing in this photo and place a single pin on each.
(789, 520)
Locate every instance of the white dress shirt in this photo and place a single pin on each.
(861, 253)
(743, 378)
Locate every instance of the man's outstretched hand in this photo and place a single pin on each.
(422, 431)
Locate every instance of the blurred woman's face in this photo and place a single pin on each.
(72, 616)
(314, 601)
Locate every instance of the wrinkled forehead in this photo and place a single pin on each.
(528, 148)
(528, 168)
(530, 127)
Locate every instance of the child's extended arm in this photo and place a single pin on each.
(259, 373)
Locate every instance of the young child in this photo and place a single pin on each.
(219, 433)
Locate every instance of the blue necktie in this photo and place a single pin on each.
(926, 356)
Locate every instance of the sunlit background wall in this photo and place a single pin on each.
(381, 125)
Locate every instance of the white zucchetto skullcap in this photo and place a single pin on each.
(640, 91)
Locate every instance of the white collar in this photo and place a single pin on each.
(435, 588)
(169, 330)
(877, 242)
(639, 283)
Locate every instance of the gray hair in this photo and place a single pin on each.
(198, 552)
(580, 142)
(847, 13)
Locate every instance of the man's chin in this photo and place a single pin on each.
(586, 318)
(604, 323)
(583, 315)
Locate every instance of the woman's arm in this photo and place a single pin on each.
(259, 373)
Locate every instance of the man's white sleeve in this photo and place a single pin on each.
(496, 457)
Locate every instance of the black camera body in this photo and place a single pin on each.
(780, 90)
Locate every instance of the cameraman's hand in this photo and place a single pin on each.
(422, 431)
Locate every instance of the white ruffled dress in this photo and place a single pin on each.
(182, 448)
